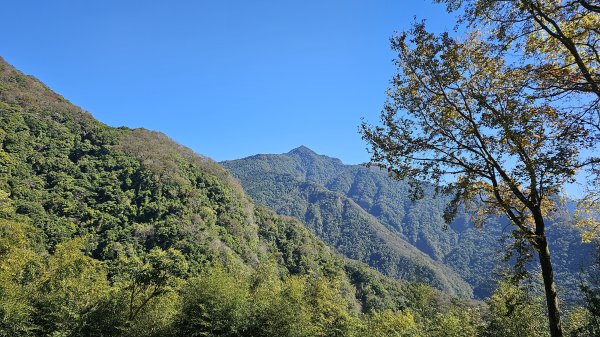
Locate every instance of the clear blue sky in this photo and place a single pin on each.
(227, 78)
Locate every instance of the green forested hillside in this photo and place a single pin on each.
(287, 184)
(343, 224)
(119, 232)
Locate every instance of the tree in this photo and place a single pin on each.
(388, 323)
(459, 116)
(70, 289)
(147, 278)
(214, 304)
(20, 267)
(559, 40)
(515, 311)
(464, 322)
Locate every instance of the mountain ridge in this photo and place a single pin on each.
(303, 177)
(475, 254)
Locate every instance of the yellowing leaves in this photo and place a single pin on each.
(588, 218)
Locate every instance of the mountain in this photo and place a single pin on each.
(313, 189)
(122, 232)
(366, 214)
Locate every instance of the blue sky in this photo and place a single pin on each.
(227, 78)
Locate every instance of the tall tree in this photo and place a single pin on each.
(459, 116)
(558, 41)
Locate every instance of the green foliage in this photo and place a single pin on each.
(148, 278)
(464, 323)
(123, 233)
(20, 266)
(117, 232)
(392, 324)
(516, 311)
(215, 304)
(585, 320)
(483, 125)
(71, 286)
(580, 321)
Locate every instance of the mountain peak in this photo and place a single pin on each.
(310, 158)
(302, 150)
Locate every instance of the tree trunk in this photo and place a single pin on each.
(550, 287)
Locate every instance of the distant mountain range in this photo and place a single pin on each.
(368, 216)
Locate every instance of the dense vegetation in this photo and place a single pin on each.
(118, 232)
(319, 191)
(287, 184)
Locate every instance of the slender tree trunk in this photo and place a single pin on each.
(550, 287)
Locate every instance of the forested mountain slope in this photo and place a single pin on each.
(119, 232)
(341, 222)
(299, 183)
